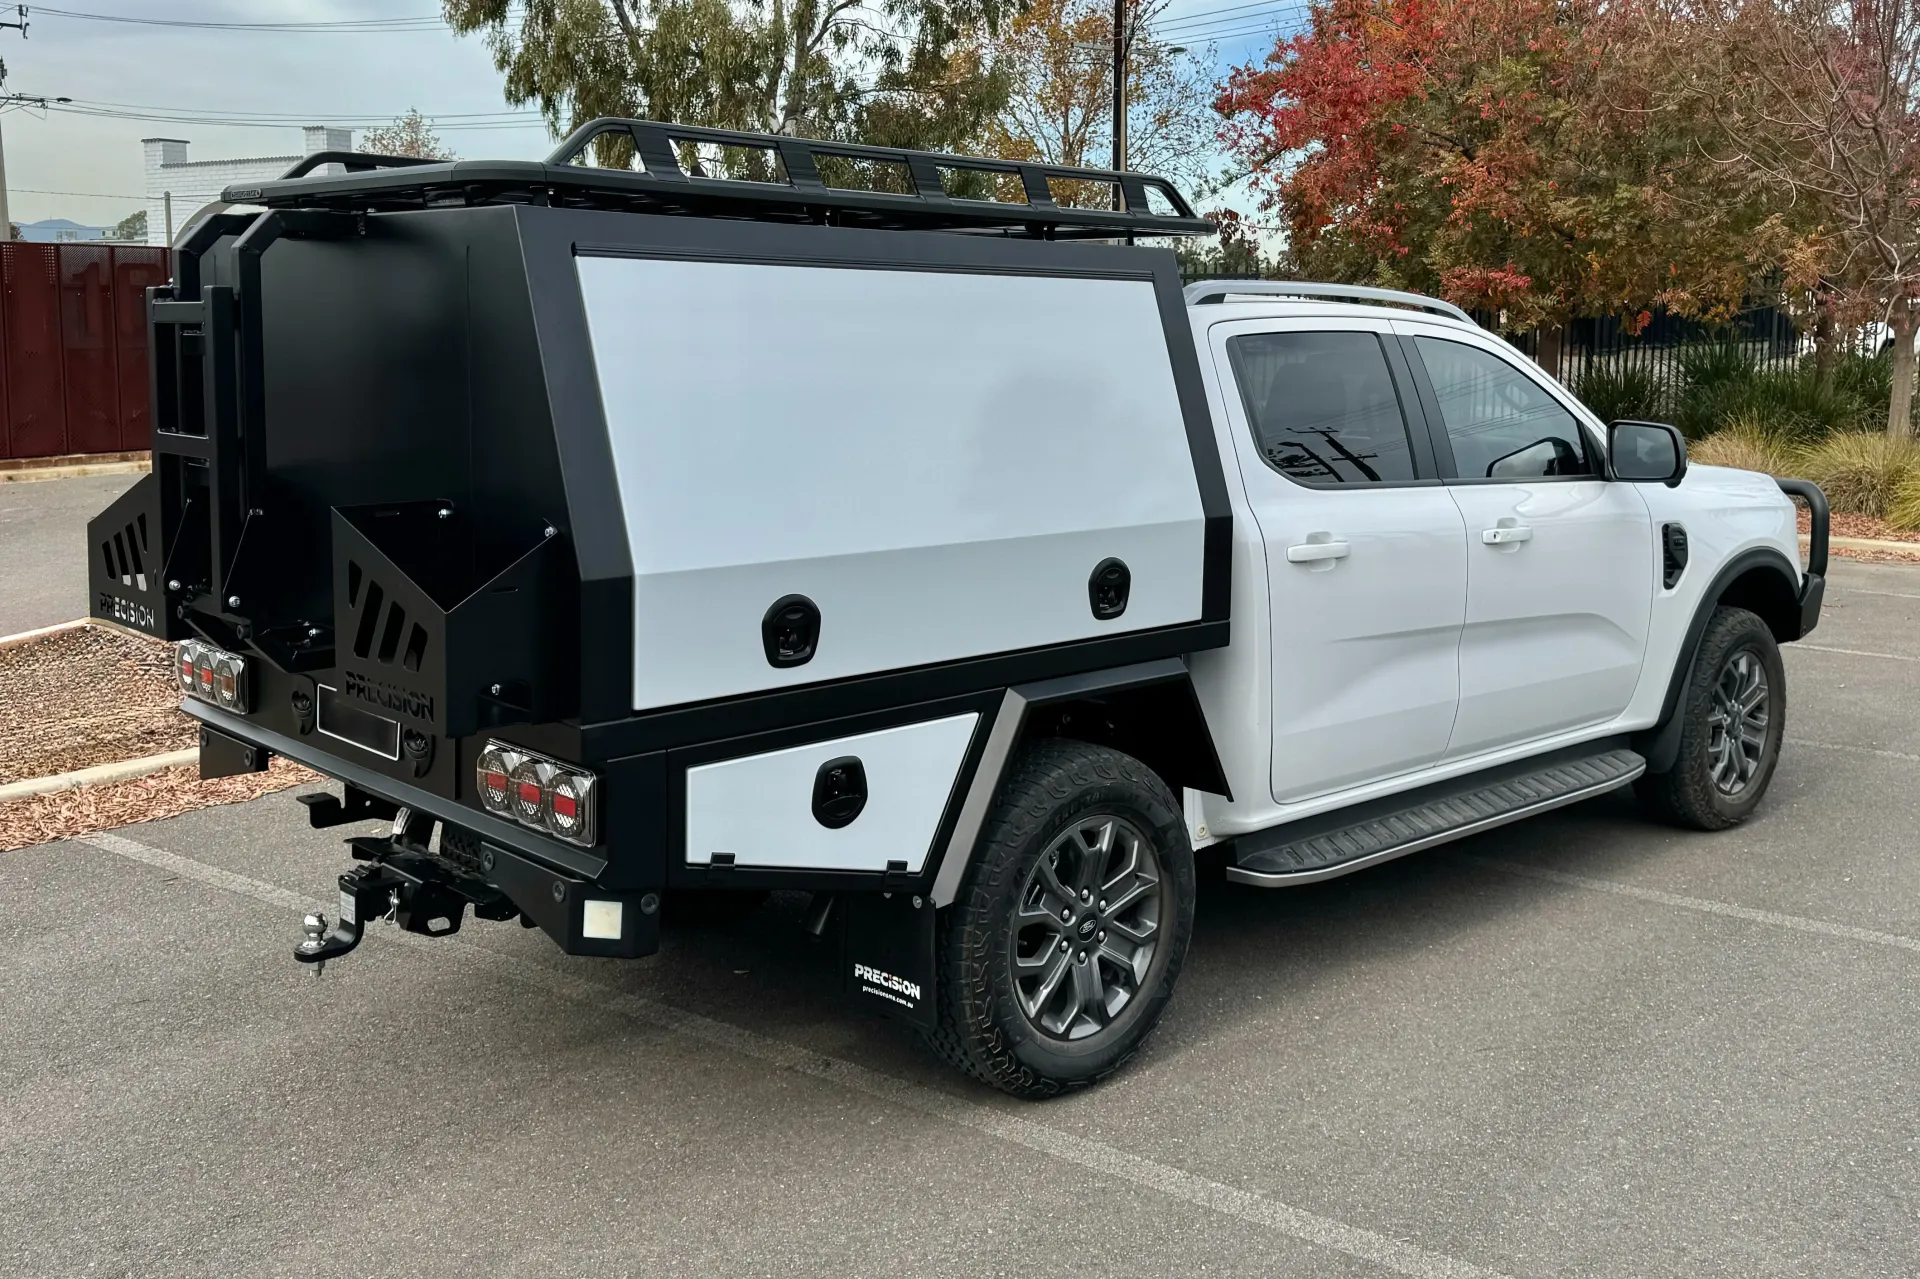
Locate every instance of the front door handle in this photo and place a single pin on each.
(1507, 534)
(1314, 552)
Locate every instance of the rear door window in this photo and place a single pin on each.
(1323, 406)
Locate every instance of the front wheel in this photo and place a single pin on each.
(1735, 709)
(1062, 948)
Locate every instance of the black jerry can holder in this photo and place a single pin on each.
(448, 627)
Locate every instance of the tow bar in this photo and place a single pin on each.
(402, 884)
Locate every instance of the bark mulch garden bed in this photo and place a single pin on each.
(82, 810)
(96, 695)
(1868, 526)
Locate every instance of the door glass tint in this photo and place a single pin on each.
(1323, 406)
(1501, 423)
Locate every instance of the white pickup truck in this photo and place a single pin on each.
(636, 539)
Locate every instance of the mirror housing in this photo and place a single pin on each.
(1647, 452)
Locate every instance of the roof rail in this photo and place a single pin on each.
(1207, 291)
(797, 184)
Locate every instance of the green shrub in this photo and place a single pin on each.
(1800, 402)
(1861, 472)
(1620, 392)
(1749, 445)
(1868, 378)
(1904, 511)
(1712, 363)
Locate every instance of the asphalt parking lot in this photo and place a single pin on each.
(43, 548)
(1578, 1046)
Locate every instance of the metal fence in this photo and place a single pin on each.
(73, 334)
(1765, 335)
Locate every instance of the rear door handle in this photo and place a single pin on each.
(1313, 552)
(1507, 534)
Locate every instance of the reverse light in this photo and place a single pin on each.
(213, 675)
(536, 791)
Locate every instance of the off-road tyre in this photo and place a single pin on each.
(1688, 794)
(1055, 788)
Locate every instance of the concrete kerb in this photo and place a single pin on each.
(100, 774)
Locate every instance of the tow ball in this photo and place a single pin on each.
(399, 882)
(366, 892)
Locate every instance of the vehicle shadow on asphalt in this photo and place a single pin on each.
(1255, 954)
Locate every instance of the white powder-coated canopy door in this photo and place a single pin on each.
(936, 462)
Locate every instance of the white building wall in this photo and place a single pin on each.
(188, 186)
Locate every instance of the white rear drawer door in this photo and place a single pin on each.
(760, 807)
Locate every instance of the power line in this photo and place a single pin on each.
(94, 195)
(423, 22)
(1215, 17)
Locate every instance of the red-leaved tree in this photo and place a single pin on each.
(1496, 152)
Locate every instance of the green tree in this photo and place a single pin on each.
(910, 73)
(132, 228)
(411, 134)
(1058, 57)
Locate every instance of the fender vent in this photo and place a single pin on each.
(1673, 552)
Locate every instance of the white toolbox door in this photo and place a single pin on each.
(760, 807)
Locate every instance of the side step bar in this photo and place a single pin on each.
(1314, 849)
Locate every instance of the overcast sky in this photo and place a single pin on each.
(84, 162)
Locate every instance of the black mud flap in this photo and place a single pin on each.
(887, 954)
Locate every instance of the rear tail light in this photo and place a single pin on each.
(213, 675)
(493, 773)
(535, 791)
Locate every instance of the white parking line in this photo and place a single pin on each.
(1774, 918)
(994, 1119)
(1857, 750)
(1892, 595)
(1850, 652)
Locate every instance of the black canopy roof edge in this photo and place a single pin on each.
(797, 192)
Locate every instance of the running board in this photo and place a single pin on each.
(1341, 842)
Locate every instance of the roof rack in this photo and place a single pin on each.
(1208, 291)
(796, 190)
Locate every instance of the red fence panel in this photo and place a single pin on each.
(134, 271)
(86, 348)
(73, 347)
(36, 390)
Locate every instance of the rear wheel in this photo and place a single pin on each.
(1062, 948)
(1735, 706)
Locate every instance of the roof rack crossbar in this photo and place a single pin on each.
(1210, 291)
(655, 143)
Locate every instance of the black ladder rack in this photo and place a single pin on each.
(797, 192)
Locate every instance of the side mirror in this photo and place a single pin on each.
(1647, 452)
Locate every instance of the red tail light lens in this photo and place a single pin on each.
(492, 774)
(529, 784)
(213, 675)
(536, 791)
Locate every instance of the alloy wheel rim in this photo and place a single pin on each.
(1737, 717)
(1087, 927)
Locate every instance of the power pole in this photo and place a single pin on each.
(1119, 92)
(6, 215)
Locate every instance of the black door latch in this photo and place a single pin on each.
(1107, 588)
(839, 792)
(791, 631)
